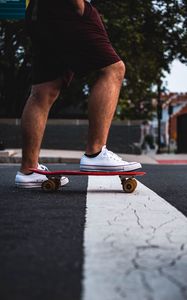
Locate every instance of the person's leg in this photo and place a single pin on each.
(34, 120)
(102, 104)
(95, 52)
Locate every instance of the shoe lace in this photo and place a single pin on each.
(111, 154)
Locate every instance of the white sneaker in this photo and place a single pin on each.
(34, 180)
(107, 161)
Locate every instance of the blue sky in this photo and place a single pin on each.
(177, 79)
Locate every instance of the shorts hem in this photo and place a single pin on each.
(96, 68)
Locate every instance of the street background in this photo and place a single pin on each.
(90, 240)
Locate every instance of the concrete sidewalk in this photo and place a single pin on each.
(70, 156)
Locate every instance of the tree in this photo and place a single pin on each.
(14, 65)
(148, 36)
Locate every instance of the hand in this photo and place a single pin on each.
(79, 6)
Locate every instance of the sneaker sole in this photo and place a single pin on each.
(31, 185)
(131, 167)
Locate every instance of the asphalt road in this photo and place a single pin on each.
(169, 182)
(41, 234)
(41, 240)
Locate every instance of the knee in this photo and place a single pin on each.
(120, 72)
(116, 71)
(44, 94)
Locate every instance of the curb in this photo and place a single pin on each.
(53, 160)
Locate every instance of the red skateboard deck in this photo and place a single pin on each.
(91, 173)
(128, 181)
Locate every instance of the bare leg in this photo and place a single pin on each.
(34, 120)
(102, 105)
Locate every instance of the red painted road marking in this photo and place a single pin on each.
(172, 162)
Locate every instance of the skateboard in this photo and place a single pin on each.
(52, 183)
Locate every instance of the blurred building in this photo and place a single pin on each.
(176, 125)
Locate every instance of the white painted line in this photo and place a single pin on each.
(135, 245)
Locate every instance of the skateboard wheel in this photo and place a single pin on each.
(129, 185)
(49, 185)
(135, 182)
(57, 183)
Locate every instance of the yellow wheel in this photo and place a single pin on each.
(49, 185)
(135, 182)
(129, 185)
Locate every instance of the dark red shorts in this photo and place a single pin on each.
(71, 45)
